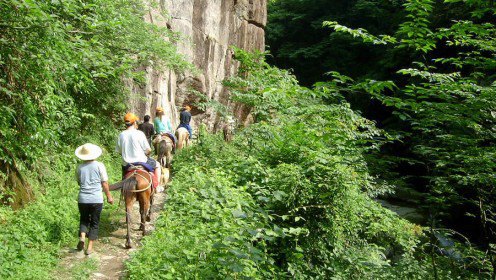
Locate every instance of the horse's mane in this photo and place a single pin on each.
(126, 184)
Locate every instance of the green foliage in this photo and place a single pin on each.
(298, 41)
(62, 65)
(446, 101)
(30, 238)
(290, 197)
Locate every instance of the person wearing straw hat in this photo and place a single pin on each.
(163, 128)
(134, 148)
(92, 177)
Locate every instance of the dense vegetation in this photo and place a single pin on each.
(293, 195)
(63, 68)
(297, 39)
(290, 197)
(430, 83)
(62, 71)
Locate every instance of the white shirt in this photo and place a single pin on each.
(132, 145)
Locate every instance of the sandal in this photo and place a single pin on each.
(80, 245)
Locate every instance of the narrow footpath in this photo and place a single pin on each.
(107, 262)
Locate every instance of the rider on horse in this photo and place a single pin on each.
(185, 118)
(162, 128)
(134, 148)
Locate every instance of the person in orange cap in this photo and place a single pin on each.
(134, 148)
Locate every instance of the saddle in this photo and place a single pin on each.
(159, 137)
(143, 167)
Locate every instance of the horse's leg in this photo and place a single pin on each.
(144, 208)
(149, 213)
(168, 157)
(129, 208)
(142, 212)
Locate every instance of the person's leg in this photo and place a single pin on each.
(124, 169)
(190, 131)
(84, 223)
(157, 171)
(96, 210)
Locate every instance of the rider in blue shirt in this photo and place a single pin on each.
(185, 118)
(161, 127)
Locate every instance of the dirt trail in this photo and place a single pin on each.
(110, 253)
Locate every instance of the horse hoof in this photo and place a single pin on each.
(148, 218)
(128, 246)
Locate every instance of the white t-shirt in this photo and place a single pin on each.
(132, 145)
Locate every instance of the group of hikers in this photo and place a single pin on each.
(134, 145)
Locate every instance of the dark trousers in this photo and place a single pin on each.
(89, 219)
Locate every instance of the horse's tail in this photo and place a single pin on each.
(182, 136)
(179, 144)
(127, 184)
(162, 146)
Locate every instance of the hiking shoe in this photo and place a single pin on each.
(80, 245)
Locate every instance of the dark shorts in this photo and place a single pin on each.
(153, 163)
(150, 165)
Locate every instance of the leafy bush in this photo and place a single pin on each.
(443, 111)
(65, 67)
(290, 197)
(31, 237)
(63, 72)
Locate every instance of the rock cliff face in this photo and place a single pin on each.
(208, 28)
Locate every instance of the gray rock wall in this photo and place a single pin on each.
(208, 28)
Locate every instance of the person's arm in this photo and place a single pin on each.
(118, 145)
(105, 185)
(189, 118)
(77, 176)
(106, 190)
(155, 125)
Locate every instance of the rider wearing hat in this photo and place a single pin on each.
(185, 118)
(162, 128)
(134, 148)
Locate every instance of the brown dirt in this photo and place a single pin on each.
(110, 252)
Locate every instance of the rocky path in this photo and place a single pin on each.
(110, 254)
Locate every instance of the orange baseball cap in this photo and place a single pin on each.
(160, 110)
(130, 118)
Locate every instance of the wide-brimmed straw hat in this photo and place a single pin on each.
(88, 151)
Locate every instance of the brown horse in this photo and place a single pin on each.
(182, 136)
(164, 151)
(136, 186)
